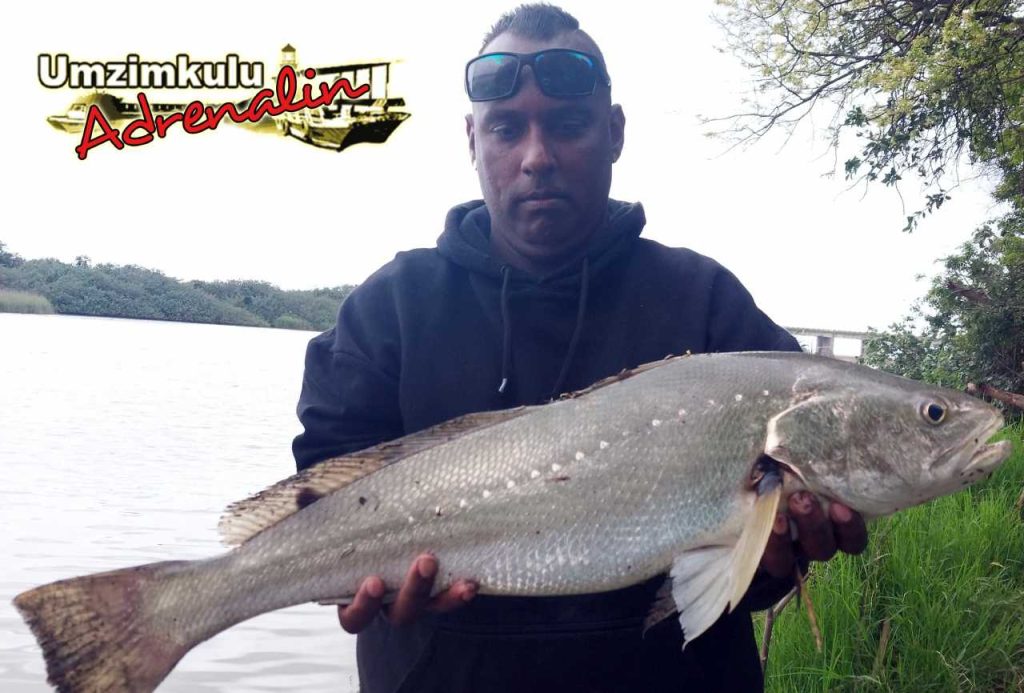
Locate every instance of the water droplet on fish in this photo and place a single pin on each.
(765, 393)
(604, 444)
(486, 494)
(655, 422)
(534, 473)
(555, 467)
(739, 398)
(463, 503)
(510, 484)
(579, 455)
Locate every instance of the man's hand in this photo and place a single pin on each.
(413, 597)
(818, 536)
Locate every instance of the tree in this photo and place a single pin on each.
(971, 320)
(9, 259)
(922, 82)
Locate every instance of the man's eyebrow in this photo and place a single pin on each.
(499, 113)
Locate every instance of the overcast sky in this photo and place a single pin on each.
(232, 204)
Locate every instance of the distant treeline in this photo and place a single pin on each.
(128, 291)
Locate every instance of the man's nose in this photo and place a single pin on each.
(538, 157)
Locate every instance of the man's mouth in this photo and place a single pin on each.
(540, 200)
(542, 196)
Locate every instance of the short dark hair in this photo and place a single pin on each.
(539, 21)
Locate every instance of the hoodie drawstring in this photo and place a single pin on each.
(506, 324)
(506, 327)
(580, 312)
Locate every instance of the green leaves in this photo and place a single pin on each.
(969, 327)
(922, 83)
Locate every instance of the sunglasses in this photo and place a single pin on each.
(559, 72)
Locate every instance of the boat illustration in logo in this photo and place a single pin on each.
(336, 125)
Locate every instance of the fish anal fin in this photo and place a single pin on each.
(246, 518)
(708, 580)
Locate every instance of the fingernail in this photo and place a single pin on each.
(374, 588)
(469, 592)
(803, 502)
(841, 513)
(781, 525)
(427, 567)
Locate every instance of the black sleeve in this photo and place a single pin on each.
(737, 324)
(349, 398)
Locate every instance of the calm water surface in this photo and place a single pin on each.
(121, 441)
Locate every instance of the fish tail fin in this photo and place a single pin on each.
(97, 634)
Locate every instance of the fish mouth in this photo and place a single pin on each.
(985, 456)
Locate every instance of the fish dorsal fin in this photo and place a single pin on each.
(624, 374)
(246, 518)
(708, 580)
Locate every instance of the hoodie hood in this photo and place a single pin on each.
(466, 241)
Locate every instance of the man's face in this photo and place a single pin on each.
(545, 164)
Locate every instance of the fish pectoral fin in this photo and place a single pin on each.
(708, 580)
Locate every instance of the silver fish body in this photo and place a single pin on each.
(657, 472)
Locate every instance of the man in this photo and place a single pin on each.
(542, 288)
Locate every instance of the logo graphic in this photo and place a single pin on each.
(316, 105)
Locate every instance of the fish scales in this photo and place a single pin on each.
(652, 474)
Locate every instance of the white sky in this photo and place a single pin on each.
(232, 204)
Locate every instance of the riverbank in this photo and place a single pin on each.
(128, 291)
(936, 602)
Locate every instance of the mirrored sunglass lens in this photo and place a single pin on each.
(491, 76)
(566, 74)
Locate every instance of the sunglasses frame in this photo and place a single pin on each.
(530, 59)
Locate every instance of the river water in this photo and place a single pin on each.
(121, 441)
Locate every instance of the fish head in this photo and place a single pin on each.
(882, 443)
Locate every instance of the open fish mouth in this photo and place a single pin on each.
(987, 456)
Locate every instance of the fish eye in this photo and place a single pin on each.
(933, 412)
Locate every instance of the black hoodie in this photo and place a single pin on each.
(441, 332)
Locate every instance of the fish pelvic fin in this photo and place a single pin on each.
(246, 518)
(708, 580)
(94, 632)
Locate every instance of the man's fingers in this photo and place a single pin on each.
(415, 591)
(452, 598)
(814, 530)
(778, 557)
(850, 531)
(358, 615)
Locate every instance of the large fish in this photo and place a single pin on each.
(675, 467)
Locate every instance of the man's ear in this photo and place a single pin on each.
(471, 134)
(617, 129)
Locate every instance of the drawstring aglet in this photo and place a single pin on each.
(501, 388)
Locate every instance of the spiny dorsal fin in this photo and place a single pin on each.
(245, 519)
(624, 374)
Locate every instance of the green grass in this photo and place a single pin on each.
(23, 302)
(948, 579)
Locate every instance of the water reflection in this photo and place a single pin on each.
(121, 442)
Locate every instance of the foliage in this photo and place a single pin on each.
(921, 82)
(971, 320)
(129, 291)
(936, 602)
(9, 259)
(23, 302)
